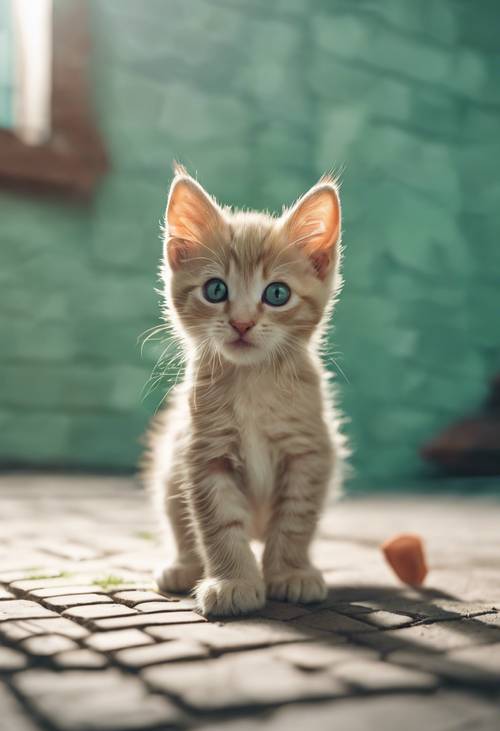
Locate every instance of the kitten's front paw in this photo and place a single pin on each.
(303, 586)
(178, 577)
(229, 597)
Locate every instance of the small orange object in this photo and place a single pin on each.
(405, 554)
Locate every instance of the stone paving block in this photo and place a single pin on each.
(333, 622)
(315, 655)
(71, 551)
(238, 680)
(66, 601)
(137, 597)
(22, 629)
(68, 583)
(351, 609)
(387, 620)
(11, 660)
(146, 620)
(118, 640)
(443, 636)
(46, 645)
(446, 711)
(80, 660)
(99, 611)
(282, 611)
(23, 609)
(233, 635)
(4, 594)
(152, 607)
(13, 576)
(491, 621)
(370, 675)
(452, 667)
(486, 658)
(58, 591)
(435, 609)
(381, 642)
(162, 652)
(13, 717)
(94, 700)
(451, 608)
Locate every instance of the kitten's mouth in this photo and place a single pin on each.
(240, 343)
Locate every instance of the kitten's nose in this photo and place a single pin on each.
(241, 327)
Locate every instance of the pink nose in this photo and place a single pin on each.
(241, 327)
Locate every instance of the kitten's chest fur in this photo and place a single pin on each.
(257, 416)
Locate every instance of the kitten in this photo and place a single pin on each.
(249, 443)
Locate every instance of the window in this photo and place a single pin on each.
(48, 140)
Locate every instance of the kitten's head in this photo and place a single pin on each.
(245, 285)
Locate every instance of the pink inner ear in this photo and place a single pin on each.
(186, 212)
(315, 225)
(191, 218)
(177, 251)
(321, 261)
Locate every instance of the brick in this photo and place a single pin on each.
(58, 591)
(315, 655)
(439, 712)
(232, 635)
(46, 645)
(98, 611)
(94, 700)
(370, 675)
(11, 660)
(443, 636)
(387, 620)
(162, 652)
(484, 659)
(22, 629)
(146, 620)
(80, 660)
(69, 550)
(14, 717)
(282, 611)
(55, 582)
(333, 622)
(132, 598)
(152, 607)
(455, 667)
(66, 601)
(352, 610)
(223, 683)
(22, 609)
(118, 640)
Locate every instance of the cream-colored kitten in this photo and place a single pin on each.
(248, 444)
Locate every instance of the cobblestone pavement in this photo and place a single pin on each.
(88, 644)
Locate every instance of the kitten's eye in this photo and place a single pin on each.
(276, 294)
(215, 290)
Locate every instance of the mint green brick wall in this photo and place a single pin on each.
(259, 99)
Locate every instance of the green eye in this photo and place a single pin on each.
(215, 290)
(276, 294)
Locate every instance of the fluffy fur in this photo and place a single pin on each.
(249, 442)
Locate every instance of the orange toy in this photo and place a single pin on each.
(405, 554)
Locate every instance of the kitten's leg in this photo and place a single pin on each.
(182, 574)
(233, 583)
(288, 571)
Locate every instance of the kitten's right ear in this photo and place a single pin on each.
(191, 216)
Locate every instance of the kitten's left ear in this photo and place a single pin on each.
(191, 218)
(313, 223)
